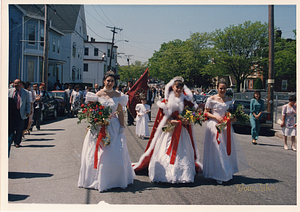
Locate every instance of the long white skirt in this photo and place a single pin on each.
(183, 170)
(114, 167)
(217, 164)
(142, 128)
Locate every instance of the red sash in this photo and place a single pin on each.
(228, 135)
(175, 139)
(101, 135)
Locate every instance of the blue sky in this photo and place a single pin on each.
(148, 26)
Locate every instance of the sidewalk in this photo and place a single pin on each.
(278, 132)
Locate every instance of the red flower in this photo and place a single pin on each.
(96, 119)
(91, 109)
(97, 106)
(88, 104)
(198, 119)
(101, 107)
(82, 105)
(94, 107)
(84, 111)
(100, 113)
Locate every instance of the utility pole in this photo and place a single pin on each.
(128, 58)
(271, 62)
(45, 52)
(112, 43)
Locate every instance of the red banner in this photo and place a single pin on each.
(137, 91)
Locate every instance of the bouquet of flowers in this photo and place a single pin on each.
(238, 112)
(195, 116)
(96, 114)
(234, 112)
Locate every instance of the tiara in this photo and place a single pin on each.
(180, 79)
(110, 72)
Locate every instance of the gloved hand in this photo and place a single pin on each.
(122, 129)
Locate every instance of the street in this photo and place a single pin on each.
(46, 168)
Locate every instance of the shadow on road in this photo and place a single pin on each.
(16, 197)
(38, 146)
(40, 139)
(42, 134)
(18, 175)
(239, 179)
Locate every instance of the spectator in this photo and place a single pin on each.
(96, 88)
(22, 100)
(288, 124)
(75, 100)
(32, 99)
(130, 118)
(68, 96)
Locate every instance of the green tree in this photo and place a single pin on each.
(237, 49)
(257, 84)
(133, 71)
(183, 58)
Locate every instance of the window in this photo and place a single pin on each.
(86, 51)
(31, 34)
(53, 42)
(73, 73)
(86, 67)
(42, 36)
(58, 45)
(96, 51)
(30, 71)
(74, 49)
(284, 85)
(108, 52)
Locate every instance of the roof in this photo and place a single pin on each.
(63, 17)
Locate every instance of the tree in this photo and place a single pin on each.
(257, 84)
(133, 71)
(183, 58)
(238, 48)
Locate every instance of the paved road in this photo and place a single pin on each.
(46, 168)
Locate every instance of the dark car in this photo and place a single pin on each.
(61, 97)
(266, 121)
(200, 100)
(49, 106)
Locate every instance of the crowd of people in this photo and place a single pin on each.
(170, 156)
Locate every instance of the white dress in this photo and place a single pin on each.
(114, 166)
(289, 113)
(217, 164)
(160, 168)
(142, 128)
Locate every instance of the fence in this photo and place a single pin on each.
(280, 99)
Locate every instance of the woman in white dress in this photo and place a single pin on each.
(220, 158)
(75, 100)
(113, 163)
(288, 124)
(172, 156)
(142, 119)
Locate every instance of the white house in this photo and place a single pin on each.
(96, 61)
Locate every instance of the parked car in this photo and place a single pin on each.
(60, 96)
(266, 121)
(200, 100)
(212, 92)
(229, 92)
(49, 106)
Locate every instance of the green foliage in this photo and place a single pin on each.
(257, 84)
(133, 71)
(237, 48)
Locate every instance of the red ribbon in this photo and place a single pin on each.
(228, 135)
(101, 135)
